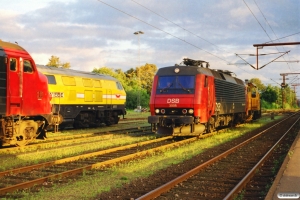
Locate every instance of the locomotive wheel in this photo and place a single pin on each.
(23, 139)
(26, 133)
(108, 123)
(209, 128)
(112, 120)
(22, 142)
(117, 119)
(210, 125)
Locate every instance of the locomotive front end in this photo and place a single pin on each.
(175, 103)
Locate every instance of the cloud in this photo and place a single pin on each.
(91, 34)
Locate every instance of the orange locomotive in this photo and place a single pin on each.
(192, 99)
(25, 109)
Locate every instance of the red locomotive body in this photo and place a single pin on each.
(25, 109)
(189, 100)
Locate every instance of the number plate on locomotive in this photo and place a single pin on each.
(173, 100)
(57, 94)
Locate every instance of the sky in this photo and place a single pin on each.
(96, 33)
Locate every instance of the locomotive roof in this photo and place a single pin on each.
(8, 45)
(72, 72)
(193, 70)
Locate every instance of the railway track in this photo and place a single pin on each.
(51, 167)
(226, 175)
(45, 173)
(68, 140)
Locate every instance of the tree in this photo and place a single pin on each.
(132, 79)
(66, 65)
(105, 70)
(54, 62)
(260, 86)
(147, 73)
(269, 95)
(132, 96)
(118, 74)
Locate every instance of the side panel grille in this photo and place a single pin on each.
(231, 96)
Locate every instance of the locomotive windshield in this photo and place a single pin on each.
(176, 85)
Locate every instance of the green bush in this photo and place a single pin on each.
(132, 99)
(267, 105)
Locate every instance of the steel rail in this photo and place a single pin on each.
(251, 173)
(100, 165)
(65, 139)
(79, 157)
(166, 187)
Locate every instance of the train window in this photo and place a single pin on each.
(119, 86)
(13, 64)
(51, 79)
(97, 83)
(69, 81)
(176, 84)
(253, 94)
(27, 67)
(87, 82)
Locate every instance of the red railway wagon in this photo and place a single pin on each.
(25, 109)
(191, 99)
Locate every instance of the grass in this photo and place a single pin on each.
(88, 187)
(240, 196)
(134, 114)
(13, 161)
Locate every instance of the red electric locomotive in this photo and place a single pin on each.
(192, 99)
(25, 109)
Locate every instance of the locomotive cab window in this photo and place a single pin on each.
(51, 79)
(176, 85)
(119, 86)
(253, 93)
(27, 67)
(13, 64)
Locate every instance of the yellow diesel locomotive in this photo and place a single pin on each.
(84, 99)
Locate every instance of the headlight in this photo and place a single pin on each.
(191, 111)
(156, 111)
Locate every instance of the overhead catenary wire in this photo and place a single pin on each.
(263, 30)
(162, 30)
(177, 25)
(270, 28)
(257, 20)
(190, 33)
(171, 34)
(263, 54)
(283, 37)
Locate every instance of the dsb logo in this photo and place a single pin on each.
(175, 100)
